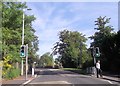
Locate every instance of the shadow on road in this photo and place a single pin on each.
(51, 72)
(56, 72)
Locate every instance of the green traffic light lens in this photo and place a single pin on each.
(22, 54)
(97, 55)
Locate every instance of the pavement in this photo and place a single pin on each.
(112, 77)
(21, 80)
(117, 79)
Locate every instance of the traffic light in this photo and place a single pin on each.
(97, 52)
(22, 51)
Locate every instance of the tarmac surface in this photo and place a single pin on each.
(56, 76)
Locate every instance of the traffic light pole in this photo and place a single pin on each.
(94, 60)
(80, 63)
(26, 50)
(22, 42)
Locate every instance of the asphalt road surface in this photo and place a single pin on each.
(52, 77)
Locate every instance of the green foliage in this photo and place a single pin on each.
(12, 73)
(12, 20)
(12, 28)
(75, 70)
(46, 60)
(9, 71)
(109, 44)
(103, 31)
(111, 52)
(71, 48)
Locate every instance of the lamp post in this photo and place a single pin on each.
(22, 40)
(23, 26)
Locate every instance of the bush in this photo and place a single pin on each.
(88, 64)
(48, 67)
(12, 73)
(56, 66)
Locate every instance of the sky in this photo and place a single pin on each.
(52, 17)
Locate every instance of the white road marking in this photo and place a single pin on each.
(65, 82)
(110, 82)
(106, 81)
(27, 82)
(52, 82)
(54, 69)
(74, 75)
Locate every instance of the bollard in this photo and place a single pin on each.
(32, 71)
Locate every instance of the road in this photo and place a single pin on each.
(56, 76)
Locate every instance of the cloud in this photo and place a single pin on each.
(54, 17)
(70, 0)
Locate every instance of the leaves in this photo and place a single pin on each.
(70, 48)
(46, 60)
(12, 20)
(108, 42)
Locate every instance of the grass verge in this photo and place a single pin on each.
(75, 70)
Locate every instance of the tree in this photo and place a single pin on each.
(107, 41)
(46, 60)
(12, 28)
(12, 31)
(71, 48)
(111, 52)
(103, 31)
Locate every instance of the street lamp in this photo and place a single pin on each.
(23, 26)
(22, 41)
